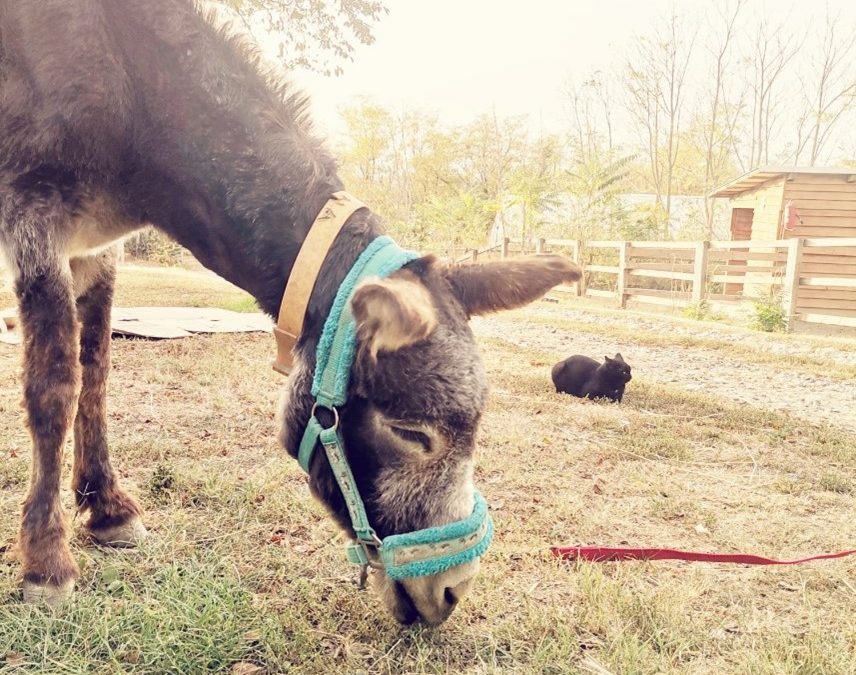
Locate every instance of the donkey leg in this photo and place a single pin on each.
(114, 515)
(50, 378)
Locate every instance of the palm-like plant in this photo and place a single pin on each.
(596, 186)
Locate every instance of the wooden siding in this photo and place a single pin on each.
(826, 205)
(832, 263)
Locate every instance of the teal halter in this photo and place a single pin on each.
(414, 554)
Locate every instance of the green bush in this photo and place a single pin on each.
(700, 311)
(152, 246)
(769, 314)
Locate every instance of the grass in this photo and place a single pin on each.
(836, 482)
(244, 573)
(701, 311)
(139, 285)
(749, 351)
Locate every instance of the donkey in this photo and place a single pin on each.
(114, 115)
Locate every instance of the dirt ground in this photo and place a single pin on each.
(244, 573)
(810, 396)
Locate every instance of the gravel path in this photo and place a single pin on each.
(811, 397)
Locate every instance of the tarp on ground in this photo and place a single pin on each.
(162, 323)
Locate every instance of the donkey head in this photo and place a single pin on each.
(417, 393)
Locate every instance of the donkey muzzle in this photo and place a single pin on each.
(431, 599)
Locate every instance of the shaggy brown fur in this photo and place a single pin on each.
(94, 481)
(117, 114)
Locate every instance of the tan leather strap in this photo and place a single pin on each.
(292, 312)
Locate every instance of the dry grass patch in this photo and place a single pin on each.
(757, 352)
(141, 285)
(243, 567)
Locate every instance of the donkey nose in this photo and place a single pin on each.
(433, 598)
(454, 593)
(443, 603)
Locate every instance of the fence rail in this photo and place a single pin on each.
(815, 277)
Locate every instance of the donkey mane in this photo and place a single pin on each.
(282, 104)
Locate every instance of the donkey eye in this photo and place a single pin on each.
(413, 437)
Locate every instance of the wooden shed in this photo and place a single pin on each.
(781, 203)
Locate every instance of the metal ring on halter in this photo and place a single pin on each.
(374, 564)
(332, 409)
(376, 543)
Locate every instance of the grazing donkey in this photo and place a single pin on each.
(118, 114)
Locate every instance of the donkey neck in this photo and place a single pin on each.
(257, 252)
(235, 154)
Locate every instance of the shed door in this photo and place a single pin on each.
(741, 230)
(741, 224)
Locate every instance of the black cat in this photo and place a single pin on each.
(584, 377)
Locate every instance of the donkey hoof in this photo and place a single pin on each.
(126, 535)
(52, 595)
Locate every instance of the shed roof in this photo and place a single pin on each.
(757, 177)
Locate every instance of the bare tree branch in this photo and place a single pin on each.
(317, 35)
(656, 88)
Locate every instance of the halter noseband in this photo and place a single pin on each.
(413, 554)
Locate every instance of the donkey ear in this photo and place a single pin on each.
(392, 313)
(506, 284)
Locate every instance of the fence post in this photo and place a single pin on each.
(505, 243)
(791, 285)
(700, 271)
(621, 286)
(475, 254)
(581, 284)
(539, 246)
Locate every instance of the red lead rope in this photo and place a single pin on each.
(610, 553)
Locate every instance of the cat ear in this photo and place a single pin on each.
(618, 357)
(607, 359)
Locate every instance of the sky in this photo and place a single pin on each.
(461, 58)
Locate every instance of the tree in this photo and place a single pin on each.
(317, 35)
(534, 184)
(491, 150)
(657, 72)
(829, 89)
(591, 119)
(643, 222)
(368, 158)
(721, 114)
(773, 49)
(595, 186)
(456, 221)
(432, 186)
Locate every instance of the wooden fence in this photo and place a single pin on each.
(499, 251)
(815, 278)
